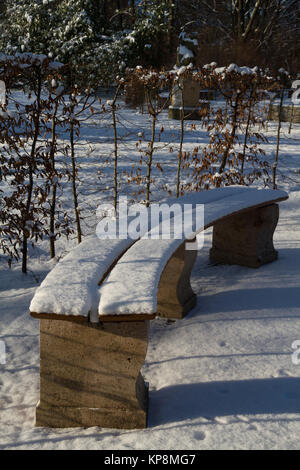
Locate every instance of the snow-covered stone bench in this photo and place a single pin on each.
(93, 339)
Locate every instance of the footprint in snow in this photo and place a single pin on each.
(253, 427)
(199, 435)
(282, 373)
(245, 419)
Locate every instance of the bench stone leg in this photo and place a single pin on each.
(175, 297)
(90, 374)
(246, 239)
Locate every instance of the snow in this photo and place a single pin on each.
(295, 98)
(132, 285)
(235, 68)
(186, 38)
(164, 94)
(71, 287)
(185, 52)
(222, 378)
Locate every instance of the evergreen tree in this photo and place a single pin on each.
(70, 31)
(79, 30)
(28, 26)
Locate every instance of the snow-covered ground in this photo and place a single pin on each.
(222, 378)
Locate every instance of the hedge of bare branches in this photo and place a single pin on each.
(31, 150)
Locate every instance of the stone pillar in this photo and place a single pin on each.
(246, 239)
(175, 297)
(186, 93)
(188, 90)
(90, 374)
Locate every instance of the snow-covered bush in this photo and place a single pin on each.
(86, 34)
(67, 31)
(29, 26)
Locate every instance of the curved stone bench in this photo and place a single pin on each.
(244, 220)
(93, 340)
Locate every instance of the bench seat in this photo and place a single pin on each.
(132, 285)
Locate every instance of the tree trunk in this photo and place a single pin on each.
(180, 146)
(275, 164)
(31, 173)
(132, 11)
(113, 112)
(150, 158)
(74, 188)
(230, 141)
(246, 134)
(54, 185)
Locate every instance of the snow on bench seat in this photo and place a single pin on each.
(71, 288)
(132, 285)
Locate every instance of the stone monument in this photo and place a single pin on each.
(186, 92)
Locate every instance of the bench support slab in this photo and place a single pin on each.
(246, 239)
(90, 374)
(175, 296)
